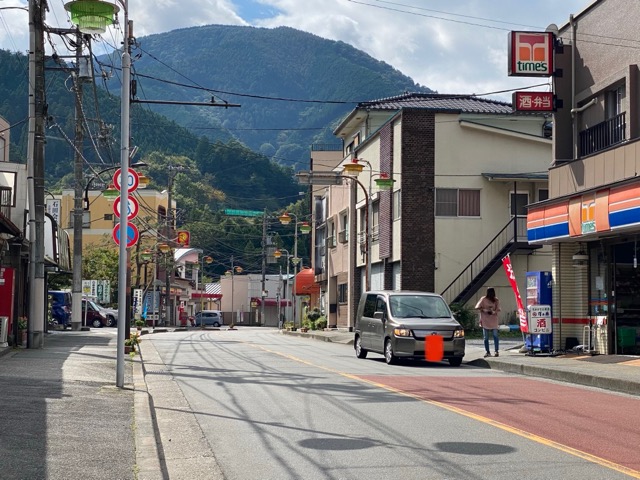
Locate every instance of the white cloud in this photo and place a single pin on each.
(450, 56)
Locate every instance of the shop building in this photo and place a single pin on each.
(592, 216)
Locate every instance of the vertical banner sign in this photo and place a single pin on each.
(522, 314)
(137, 301)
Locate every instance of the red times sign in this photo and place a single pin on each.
(531, 54)
(533, 101)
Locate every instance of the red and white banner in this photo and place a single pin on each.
(522, 313)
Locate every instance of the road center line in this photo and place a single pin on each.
(507, 428)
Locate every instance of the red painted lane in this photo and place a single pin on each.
(602, 424)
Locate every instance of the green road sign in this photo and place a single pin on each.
(243, 213)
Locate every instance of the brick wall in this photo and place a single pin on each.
(417, 204)
(386, 206)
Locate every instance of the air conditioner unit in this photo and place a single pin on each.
(343, 236)
(331, 242)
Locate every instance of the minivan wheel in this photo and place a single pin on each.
(455, 361)
(216, 324)
(111, 322)
(360, 352)
(96, 323)
(389, 357)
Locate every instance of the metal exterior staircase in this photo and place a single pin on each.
(512, 239)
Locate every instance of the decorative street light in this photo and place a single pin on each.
(93, 16)
(278, 254)
(384, 182)
(111, 191)
(285, 219)
(232, 273)
(208, 260)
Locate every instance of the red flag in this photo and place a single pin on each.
(522, 314)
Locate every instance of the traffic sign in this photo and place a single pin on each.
(133, 180)
(132, 210)
(132, 234)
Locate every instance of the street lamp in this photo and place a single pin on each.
(111, 188)
(278, 254)
(208, 260)
(232, 273)
(92, 16)
(285, 219)
(384, 182)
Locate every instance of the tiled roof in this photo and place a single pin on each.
(441, 103)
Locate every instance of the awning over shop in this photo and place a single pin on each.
(589, 214)
(305, 283)
(212, 291)
(271, 302)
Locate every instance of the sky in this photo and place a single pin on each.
(451, 46)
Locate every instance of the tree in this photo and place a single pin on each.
(101, 263)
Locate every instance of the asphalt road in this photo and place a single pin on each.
(271, 406)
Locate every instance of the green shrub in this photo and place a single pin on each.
(321, 323)
(467, 317)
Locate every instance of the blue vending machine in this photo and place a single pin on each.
(539, 293)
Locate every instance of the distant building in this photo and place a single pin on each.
(463, 169)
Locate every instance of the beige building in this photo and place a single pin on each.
(463, 170)
(592, 216)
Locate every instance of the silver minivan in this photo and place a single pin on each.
(395, 324)
(211, 318)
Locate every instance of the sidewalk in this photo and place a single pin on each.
(62, 416)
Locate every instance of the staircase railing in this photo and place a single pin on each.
(496, 249)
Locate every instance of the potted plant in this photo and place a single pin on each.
(22, 330)
(131, 343)
(140, 323)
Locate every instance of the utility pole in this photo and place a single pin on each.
(168, 272)
(78, 210)
(170, 315)
(35, 175)
(263, 293)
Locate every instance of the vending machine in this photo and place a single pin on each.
(539, 292)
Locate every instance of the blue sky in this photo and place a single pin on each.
(452, 46)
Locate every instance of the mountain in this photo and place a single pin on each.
(293, 87)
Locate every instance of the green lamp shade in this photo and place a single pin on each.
(111, 193)
(384, 183)
(305, 228)
(91, 16)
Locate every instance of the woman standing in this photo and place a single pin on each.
(489, 306)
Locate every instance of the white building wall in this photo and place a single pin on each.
(463, 155)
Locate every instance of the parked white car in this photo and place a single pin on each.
(111, 314)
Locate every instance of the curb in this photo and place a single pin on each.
(147, 458)
(565, 376)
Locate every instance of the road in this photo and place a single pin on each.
(271, 406)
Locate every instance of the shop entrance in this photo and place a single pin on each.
(625, 306)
